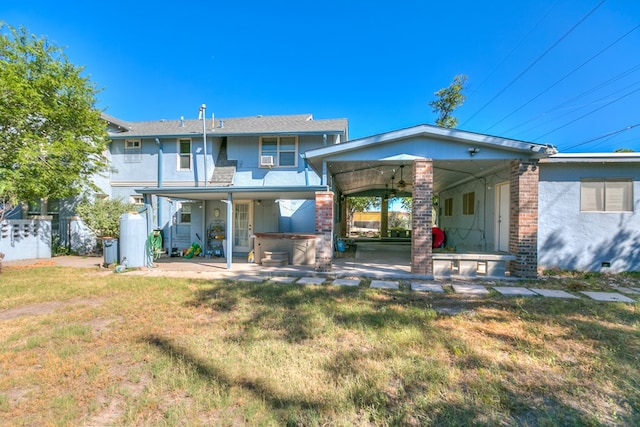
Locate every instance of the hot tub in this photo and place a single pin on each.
(301, 247)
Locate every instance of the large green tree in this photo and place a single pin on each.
(447, 100)
(52, 137)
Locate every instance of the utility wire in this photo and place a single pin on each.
(515, 48)
(575, 98)
(598, 101)
(604, 136)
(538, 59)
(585, 115)
(563, 78)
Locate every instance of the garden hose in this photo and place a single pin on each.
(154, 243)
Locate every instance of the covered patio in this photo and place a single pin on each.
(481, 190)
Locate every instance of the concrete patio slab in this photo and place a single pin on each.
(311, 281)
(554, 293)
(426, 287)
(384, 284)
(346, 282)
(282, 279)
(514, 291)
(624, 290)
(470, 289)
(248, 278)
(452, 311)
(607, 296)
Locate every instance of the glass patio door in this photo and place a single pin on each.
(242, 226)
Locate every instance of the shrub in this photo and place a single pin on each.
(102, 216)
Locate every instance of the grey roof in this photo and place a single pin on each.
(294, 124)
(115, 123)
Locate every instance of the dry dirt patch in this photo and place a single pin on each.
(48, 307)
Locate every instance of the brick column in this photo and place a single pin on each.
(324, 230)
(384, 217)
(422, 221)
(523, 219)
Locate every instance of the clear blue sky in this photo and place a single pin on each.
(558, 72)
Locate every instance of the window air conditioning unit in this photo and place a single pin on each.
(266, 160)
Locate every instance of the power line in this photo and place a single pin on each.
(577, 97)
(538, 59)
(585, 115)
(563, 78)
(516, 47)
(604, 136)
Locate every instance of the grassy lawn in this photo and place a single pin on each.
(80, 347)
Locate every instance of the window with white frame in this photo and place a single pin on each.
(137, 200)
(606, 195)
(132, 151)
(281, 150)
(185, 214)
(184, 154)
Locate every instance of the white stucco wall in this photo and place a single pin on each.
(574, 240)
(472, 233)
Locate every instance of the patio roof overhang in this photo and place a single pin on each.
(374, 165)
(221, 193)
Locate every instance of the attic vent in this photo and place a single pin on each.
(309, 119)
(266, 161)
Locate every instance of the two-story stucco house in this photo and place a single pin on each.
(249, 176)
(281, 183)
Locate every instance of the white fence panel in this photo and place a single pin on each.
(25, 239)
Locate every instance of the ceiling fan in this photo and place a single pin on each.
(402, 184)
(392, 193)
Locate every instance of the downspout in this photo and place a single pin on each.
(306, 169)
(160, 159)
(229, 248)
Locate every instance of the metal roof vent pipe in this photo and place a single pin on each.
(181, 121)
(221, 124)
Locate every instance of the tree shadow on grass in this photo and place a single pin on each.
(291, 312)
(213, 374)
(298, 312)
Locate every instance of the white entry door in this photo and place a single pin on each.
(242, 226)
(502, 217)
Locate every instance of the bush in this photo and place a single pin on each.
(102, 216)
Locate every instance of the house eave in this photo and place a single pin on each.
(222, 193)
(533, 149)
(592, 158)
(222, 134)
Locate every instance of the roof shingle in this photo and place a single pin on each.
(301, 123)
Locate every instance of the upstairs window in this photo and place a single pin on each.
(278, 151)
(468, 203)
(132, 151)
(184, 154)
(606, 195)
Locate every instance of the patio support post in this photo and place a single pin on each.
(422, 221)
(228, 251)
(523, 224)
(324, 230)
(384, 217)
